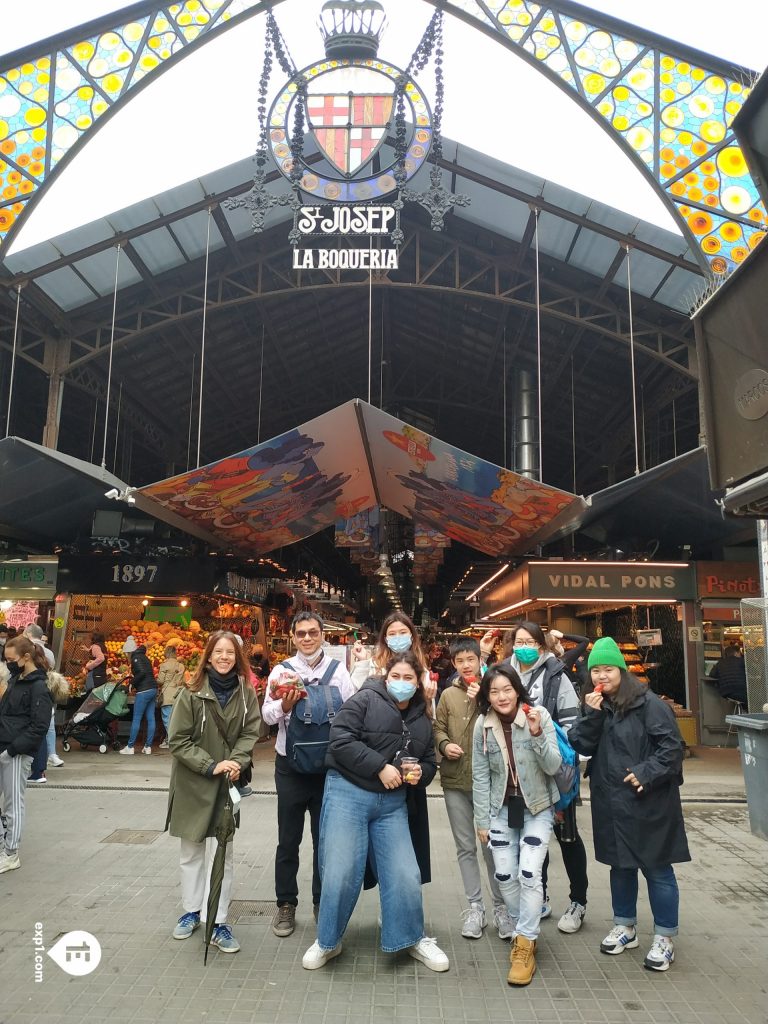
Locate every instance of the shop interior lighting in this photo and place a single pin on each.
(185, 602)
(145, 602)
(511, 607)
(661, 565)
(488, 581)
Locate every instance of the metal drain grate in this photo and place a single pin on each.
(133, 836)
(247, 911)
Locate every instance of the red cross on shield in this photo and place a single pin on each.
(349, 128)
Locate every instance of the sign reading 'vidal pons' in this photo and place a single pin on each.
(345, 221)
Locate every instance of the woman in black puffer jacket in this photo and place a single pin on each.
(364, 813)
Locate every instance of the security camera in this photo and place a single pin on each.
(114, 493)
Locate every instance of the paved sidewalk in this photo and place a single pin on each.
(128, 897)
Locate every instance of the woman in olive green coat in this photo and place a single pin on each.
(213, 728)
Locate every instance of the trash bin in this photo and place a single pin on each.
(753, 744)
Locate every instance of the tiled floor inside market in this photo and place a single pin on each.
(126, 894)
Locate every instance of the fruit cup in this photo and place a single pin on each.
(407, 764)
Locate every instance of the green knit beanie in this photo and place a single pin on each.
(606, 652)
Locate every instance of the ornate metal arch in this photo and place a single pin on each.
(668, 106)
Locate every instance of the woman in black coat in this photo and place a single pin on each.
(364, 812)
(637, 821)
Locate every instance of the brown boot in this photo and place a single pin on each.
(522, 959)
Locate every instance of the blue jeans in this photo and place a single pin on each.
(165, 713)
(351, 820)
(50, 736)
(518, 854)
(663, 895)
(144, 707)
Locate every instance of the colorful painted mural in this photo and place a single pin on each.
(295, 485)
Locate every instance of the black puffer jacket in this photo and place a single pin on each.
(25, 713)
(369, 731)
(141, 670)
(631, 829)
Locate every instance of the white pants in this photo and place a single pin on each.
(14, 772)
(196, 861)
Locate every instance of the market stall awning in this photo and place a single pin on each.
(350, 459)
(46, 495)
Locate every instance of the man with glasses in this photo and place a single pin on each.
(298, 792)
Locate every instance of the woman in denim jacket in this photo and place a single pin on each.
(515, 755)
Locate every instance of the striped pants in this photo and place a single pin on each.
(14, 772)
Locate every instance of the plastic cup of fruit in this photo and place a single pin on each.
(407, 765)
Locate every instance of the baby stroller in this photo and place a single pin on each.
(93, 724)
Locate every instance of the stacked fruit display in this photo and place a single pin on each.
(156, 636)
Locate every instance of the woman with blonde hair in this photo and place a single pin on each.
(213, 727)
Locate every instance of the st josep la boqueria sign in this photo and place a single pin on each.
(346, 221)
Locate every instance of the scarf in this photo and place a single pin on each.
(223, 686)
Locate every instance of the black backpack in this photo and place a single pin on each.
(309, 727)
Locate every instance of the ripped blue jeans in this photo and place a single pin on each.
(518, 856)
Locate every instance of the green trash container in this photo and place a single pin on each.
(753, 744)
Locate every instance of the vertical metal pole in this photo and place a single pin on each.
(632, 358)
(370, 319)
(573, 422)
(13, 360)
(261, 383)
(111, 354)
(538, 350)
(674, 428)
(504, 392)
(117, 426)
(762, 555)
(191, 404)
(202, 344)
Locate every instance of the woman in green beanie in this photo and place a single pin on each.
(637, 821)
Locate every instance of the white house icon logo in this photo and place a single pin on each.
(77, 953)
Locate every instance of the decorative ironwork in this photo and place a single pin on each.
(668, 108)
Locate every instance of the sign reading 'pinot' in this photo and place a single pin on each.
(345, 221)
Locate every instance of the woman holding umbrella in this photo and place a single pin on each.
(213, 727)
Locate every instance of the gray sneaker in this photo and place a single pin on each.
(573, 918)
(187, 924)
(504, 923)
(224, 939)
(284, 921)
(474, 921)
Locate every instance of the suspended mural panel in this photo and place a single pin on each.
(280, 491)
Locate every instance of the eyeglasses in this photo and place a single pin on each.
(525, 643)
(304, 634)
(506, 692)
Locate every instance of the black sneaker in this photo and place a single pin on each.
(284, 921)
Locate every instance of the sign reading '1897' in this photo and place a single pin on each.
(335, 221)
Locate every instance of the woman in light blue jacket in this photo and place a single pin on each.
(515, 756)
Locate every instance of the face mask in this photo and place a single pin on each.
(400, 691)
(14, 668)
(527, 655)
(399, 644)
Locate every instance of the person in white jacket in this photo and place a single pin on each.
(397, 635)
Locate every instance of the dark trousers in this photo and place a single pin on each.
(575, 864)
(296, 794)
(40, 761)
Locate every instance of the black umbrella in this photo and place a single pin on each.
(224, 831)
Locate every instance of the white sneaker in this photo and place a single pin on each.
(474, 921)
(37, 782)
(315, 957)
(54, 761)
(618, 939)
(146, 750)
(429, 953)
(661, 954)
(127, 750)
(572, 919)
(546, 908)
(504, 923)
(9, 862)
(164, 745)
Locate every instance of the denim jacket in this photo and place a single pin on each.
(537, 758)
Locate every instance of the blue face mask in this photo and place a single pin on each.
(400, 691)
(527, 655)
(399, 644)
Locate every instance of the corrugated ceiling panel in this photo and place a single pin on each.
(30, 259)
(65, 288)
(682, 290)
(85, 235)
(492, 211)
(99, 271)
(593, 252)
(158, 250)
(191, 233)
(134, 216)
